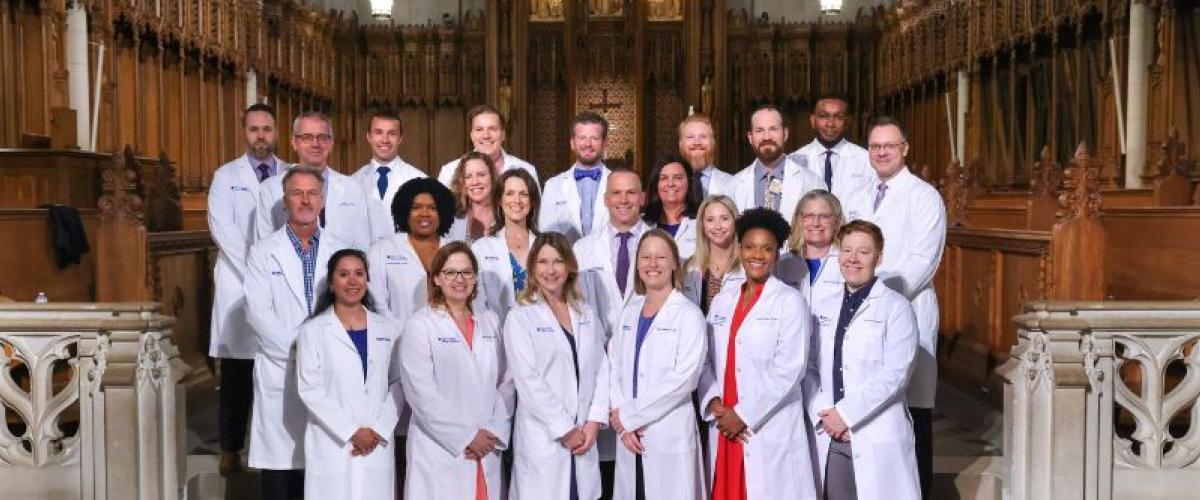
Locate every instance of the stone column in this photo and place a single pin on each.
(964, 94)
(1139, 74)
(251, 87)
(77, 73)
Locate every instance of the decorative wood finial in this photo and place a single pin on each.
(1174, 156)
(120, 185)
(1047, 176)
(1079, 197)
(956, 191)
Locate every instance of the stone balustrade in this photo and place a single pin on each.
(89, 404)
(1101, 401)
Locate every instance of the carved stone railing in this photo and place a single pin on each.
(1100, 401)
(89, 399)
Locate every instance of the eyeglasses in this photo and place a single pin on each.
(837, 117)
(309, 138)
(461, 275)
(816, 217)
(891, 146)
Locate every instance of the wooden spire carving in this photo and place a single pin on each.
(120, 184)
(121, 236)
(1077, 239)
(1172, 180)
(956, 191)
(1044, 184)
(1079, 197)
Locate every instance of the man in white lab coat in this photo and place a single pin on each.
(698, 144)
(913, 219)
(347, 213)
(773, 180)
(571, 201)
(231, 201)
(283, 277)
(841, 164)
(386, 172)
(486, 129)
(606, 258)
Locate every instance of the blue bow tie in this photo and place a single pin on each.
(582, 173)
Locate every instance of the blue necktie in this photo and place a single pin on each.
(829, 169)
(263, 172)
(623, 261)
(586, 173)
(383, 180)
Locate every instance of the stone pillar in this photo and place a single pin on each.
(251, 87)
(1139, 74)
(964, 94)
(77, 73)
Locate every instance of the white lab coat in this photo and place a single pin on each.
(693, 282)
(877, 358)
(398, 280)
(669, 367)
(231, 201)
(276, 306)
(560, 205)
(772, 349)
(446, 173)
(720, 183)
(797, 181)
(553, 400)
(340, 400)
(496, 272)
(685, 237)
(852, 172)
(597, 274)
(368, 177)
(793, 270)
(913, 220)
(454, 391)
(347, 211)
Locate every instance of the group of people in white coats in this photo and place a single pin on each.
(598, 338)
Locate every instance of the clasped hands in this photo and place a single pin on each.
(484, 443)
(728, 422)
(580, 439)
(833, 425)
(632, 439)
(364, 441)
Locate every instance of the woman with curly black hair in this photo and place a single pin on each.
(750, 392)
(423, 210)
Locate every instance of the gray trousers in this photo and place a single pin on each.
(839, 472)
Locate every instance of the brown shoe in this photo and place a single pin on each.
(231, 463)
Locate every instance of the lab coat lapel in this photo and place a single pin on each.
(872, 298)
(571, 193)
(333, 326)
(793, 187)
(248, 174)
(293, 269)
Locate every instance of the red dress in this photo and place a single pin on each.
(480, 481)
(730, 480)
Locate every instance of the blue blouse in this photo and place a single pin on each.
(814, 265)
(359, 337)
(519, 273)
(642, 329)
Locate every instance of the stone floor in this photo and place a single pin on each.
(968, 434)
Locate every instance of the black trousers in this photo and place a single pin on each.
(282, 484)
(607, 473)
(922, 419)
(401, 464)
(235, 399)
(639, 479)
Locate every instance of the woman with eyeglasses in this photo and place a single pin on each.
(348, 384)
(503, 254)
(474, 190)
(810, 262)
(453, 372)
(655, 358)
(554, 344)
(750, 391)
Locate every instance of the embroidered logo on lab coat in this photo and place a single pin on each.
(396, 259)
(243, 189)
(448, 340)
(719, 320)
(545, 329)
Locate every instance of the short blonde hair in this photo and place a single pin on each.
(703, 252)
(533, 292)
(639, 286)
(795, 242)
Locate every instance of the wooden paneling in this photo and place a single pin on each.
(27, 264)
(29, 178)
(1152, 253)
(180, 268)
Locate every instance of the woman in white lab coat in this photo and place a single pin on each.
(346, 380)
(751, 391)
(503, 255)
(455, 381)
(715, 260)
(672, 202)
(810, 262)
(474, 188)
(655, 358)
(554, 344)
(864, 438)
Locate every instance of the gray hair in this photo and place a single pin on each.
(303, 170)
(312, 115)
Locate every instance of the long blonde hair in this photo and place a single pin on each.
(795, 242)
(532, 293)
(703, 252)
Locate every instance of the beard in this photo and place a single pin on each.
(261, 150)
(699, 159)
(766, 155)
